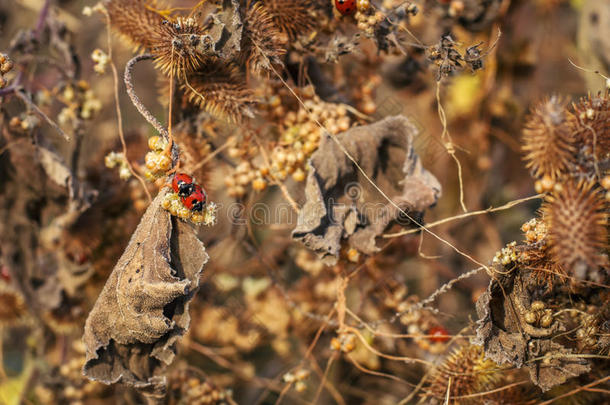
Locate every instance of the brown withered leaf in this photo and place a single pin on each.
(507, 338)
(225, 27)
(343, 205)
(132, 330)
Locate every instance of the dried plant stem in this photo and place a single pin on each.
(399, 335)
(446, 287)
(448, 394)
(484, 393)
(506, 206)
(448, 143)
(26, 99)
(223, 362)
(403, 359)
(117, 103)
(283, 392)
(212, 155)
(323, 383)
(576, 390)
(376, 373)
(134, 97)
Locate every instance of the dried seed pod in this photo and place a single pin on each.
(179, 47)
(576, 218)
(262, 40)
(135, 20)
(292, 17)
(592, 124)
(219, 89)
(548, 141)
(465, 371)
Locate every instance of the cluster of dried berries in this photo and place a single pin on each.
(118, 160)
(101, 60)
(158, 160)
(6, 65)
(185, 386)
(297, 379)
(69, 385)
(26, 122)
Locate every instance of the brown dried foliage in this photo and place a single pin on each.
(142, 312)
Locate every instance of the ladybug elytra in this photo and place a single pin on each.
(196, 200)
(345, 7)
(183, 184)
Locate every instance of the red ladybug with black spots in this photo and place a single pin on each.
(345, 7)
(196, 200)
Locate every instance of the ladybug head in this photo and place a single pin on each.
(182, 184)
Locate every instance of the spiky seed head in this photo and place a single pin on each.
(548, 142)
(469, 372)
(178, 46)
(292, 17)
(218, 88)
(577, 221)
(136, 20)
(262, 41)
(591, 119)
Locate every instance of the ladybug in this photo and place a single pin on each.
(345, 7)
(183, 184)
(438, 334)
(196, 200)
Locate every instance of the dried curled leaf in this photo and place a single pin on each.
(142, 311)
(507, 336)
(342, 204)
(225, 27)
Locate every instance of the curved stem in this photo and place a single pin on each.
(136, 101)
